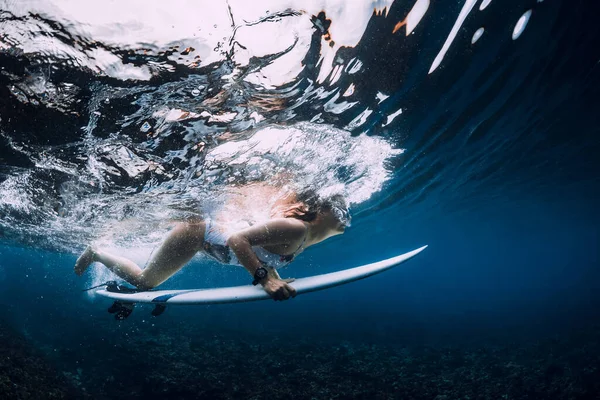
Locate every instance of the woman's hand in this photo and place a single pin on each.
(279, 289)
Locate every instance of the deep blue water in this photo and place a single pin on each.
(499, 177)
(530, 267)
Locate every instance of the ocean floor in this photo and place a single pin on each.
(25, 374)
(189, 365)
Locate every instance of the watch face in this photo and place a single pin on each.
(261, 273)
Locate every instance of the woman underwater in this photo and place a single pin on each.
(296, 222)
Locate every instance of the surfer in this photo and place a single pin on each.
(296, 221)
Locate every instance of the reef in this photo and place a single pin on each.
(26, 375)
(183, 360)
(186, 364)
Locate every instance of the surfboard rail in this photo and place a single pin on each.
(239, 294)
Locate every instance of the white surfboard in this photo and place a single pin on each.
(238, 294)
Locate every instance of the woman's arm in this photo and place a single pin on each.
(280, 231)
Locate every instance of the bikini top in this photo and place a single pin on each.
(276, 260)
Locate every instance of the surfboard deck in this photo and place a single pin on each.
(239, 294)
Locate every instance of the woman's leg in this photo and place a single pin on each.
(182, 243)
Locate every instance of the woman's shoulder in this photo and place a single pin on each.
(289, 228)
(291, 224)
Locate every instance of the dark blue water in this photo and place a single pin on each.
(499, 177)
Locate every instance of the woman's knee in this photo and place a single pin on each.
(143, 282)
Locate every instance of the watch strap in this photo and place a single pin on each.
(257, 275)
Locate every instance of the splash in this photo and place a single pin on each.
(293, 150)
(127, 116)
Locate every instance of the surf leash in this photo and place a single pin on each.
(107, 284)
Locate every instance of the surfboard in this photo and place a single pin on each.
(239, 294)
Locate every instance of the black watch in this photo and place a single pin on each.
(259, 275)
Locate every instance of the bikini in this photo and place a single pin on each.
(215, 245)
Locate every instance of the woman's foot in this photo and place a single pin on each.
(84, 260)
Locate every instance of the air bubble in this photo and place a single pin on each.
(484, 4)
(195, 92)
(477, 35)
(521, 25)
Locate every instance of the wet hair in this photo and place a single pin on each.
(309, 204)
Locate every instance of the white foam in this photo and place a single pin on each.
(469, 4)
(204, 25)
(381, 97)
(349, 91)
(295, 149)
(359, 120)
(392, 116)
(332, 106)
(11, 194)
(354, 67)
(335, 75)
(347, 27)
(416, 14)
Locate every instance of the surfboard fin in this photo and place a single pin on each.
(121, 310)
(159, 309)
